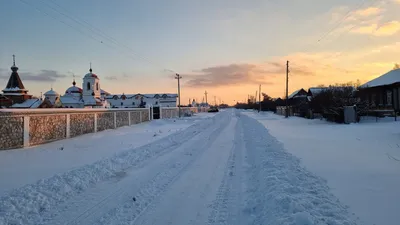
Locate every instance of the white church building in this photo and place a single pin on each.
(89, 96)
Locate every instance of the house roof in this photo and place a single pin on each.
(70, 100)
(316, 90)
(29, 103)
(295, 93)
(14, 82)
(388, 78)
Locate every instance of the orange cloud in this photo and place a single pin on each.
(386, 29)
(371, 11)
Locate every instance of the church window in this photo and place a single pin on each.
(88, 86)
(97, 86)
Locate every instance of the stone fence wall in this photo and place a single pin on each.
(27, 127)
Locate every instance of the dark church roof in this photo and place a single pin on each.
(14, 83)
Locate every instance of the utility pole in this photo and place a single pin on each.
(287, 89)
(259, 98)
(255, 98)
(179, 77)
(205, 93)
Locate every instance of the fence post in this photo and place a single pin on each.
(68, 131)
(95, 122)
(115, 120)
(26, 131)
(140, 116)
(129, 118)
(161, 115)
(150, 114)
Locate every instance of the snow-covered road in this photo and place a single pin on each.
(225, 169)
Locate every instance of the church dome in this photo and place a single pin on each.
(51, 93)
(73, 89)
(90, 74)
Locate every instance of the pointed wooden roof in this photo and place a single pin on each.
(14, 82)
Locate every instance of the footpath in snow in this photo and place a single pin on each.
(361, 162)
(226, 169)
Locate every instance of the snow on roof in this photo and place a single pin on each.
(103, 92)
(294, 93)
(388, 78)
(30, 103)
(144, 95)
(14, 89)
(70, 100)
(73, 89)
(51, 92)
(316, 90)
(91, 75)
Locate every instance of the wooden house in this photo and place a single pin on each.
(382, 93)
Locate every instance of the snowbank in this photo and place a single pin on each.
(361, 162)
(26, 204)
(281, 190)
(19, 167)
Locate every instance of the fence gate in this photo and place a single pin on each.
(156, 113)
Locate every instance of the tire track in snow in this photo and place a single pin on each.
(129, 212)
(227, 205)
(34, 203)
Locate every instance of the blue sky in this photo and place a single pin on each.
(197, 39)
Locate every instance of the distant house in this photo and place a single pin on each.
(301, 93)
(298, 102)
(382, 92)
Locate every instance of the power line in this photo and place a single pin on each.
(341, 21)
(106, 36)
(88, 34)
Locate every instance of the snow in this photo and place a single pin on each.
(361, 162)
(294, 94)
(223, 168)
(315, 91)
(51, 93)
(29, 103)
(14, 89)
(388, 78)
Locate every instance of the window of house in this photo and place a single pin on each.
(88, 86)
(389, 97)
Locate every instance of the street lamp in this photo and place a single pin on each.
(178, 77)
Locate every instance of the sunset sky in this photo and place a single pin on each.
(226, 47)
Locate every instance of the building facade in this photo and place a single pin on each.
(142, 100)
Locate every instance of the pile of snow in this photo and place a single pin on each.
(361, 162)
(280, 190)
(25, 205)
